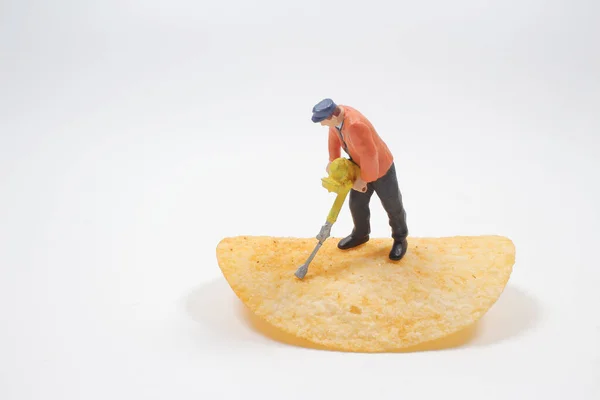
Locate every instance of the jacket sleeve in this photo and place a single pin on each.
(369, 159)
(334, 145)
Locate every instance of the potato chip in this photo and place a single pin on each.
(359, 300)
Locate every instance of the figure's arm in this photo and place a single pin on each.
(334, 145)
(369, 164)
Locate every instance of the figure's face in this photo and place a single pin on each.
(331, 121)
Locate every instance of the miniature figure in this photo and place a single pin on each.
(353, 132)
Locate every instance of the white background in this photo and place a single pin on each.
(134, 135)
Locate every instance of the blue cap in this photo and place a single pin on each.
(323, 110)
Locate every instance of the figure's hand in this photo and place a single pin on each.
(360, 185)
(327, 168)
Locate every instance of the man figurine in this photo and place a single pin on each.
(351, 131)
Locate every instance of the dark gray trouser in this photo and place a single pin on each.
(388, 192)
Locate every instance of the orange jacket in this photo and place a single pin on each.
(364, 145)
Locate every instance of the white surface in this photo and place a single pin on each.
(134, 135)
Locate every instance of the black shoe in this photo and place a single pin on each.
(352, 241)
(398, 250)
